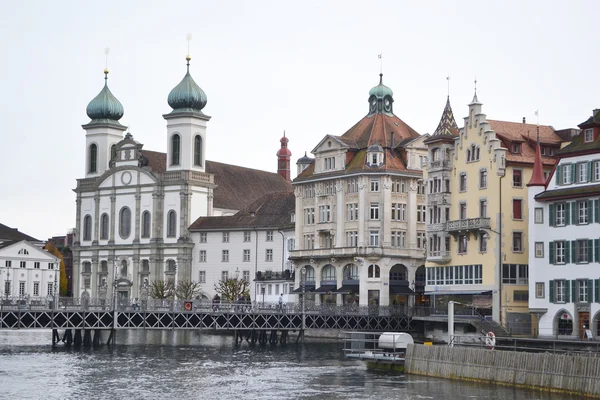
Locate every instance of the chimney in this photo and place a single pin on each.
(524, 120)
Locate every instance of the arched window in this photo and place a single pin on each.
(93, 158)
(124, 268)
(374, 271)
(104, 267)
(398, 273)
(198, 150)
(172, 224)
(104, 226)
(87, 227)
(171, 266)
(145, 267)
(309, 275)
(435, 154)
(351, 272)
(146, 224)
(87, 267)
(125, 222)
(23, 251)
(328, 273)
(175, 149)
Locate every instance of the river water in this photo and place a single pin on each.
(190, 365)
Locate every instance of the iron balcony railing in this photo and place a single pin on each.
(468, 224)
(271, 276)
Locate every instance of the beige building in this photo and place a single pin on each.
(360, 212)
(477, 210)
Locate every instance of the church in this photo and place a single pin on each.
(134, 206)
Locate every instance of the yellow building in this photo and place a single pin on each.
(476, 205)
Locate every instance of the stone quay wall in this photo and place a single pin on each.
(578, 375)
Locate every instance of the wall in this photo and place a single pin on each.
(551, 372)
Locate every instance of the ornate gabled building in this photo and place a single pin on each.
(134, 206)
(360, 211)
(477, 220)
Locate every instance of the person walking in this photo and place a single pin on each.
(281, 302)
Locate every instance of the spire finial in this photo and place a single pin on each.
(380, 56)
(475, 86)
(284, 133)
(448, 79)
(188, 37)
(537, 114)
(106, 51)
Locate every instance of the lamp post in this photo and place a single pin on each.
(303, 277)
(56, 287)
(115, 286)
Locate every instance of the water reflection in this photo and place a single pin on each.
(184, 365)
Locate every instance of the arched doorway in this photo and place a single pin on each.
(328, 285)
(350, 284)
(307, 284)
(420, 298)
(563, 323)
(596, 325)
(400, 290)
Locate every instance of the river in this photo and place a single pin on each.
(190, 365)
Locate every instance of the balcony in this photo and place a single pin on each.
(466, 225)
(436, 227)
(438, 198)
(440, 165)
(286, 275)
(439, 256)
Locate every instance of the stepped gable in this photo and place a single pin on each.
(270, 210)
(526, 134)
(237, 186)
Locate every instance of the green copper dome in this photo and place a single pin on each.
(381, 90)
(105, 105)
(187, 94)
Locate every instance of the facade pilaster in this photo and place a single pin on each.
(113, 214)
(158, 198)
(78, 220)
(138, 206)
(362, 211)
(340, 213)
(386, 229)
(96, 220)
(411, 214)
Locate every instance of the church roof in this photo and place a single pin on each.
(511, 132)
(272, 210)
(236, 186)
(447, 127)
(12, 234)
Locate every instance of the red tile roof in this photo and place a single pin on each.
(236, 186)
(526, 134)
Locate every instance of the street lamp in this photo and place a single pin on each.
(56, 287)
(303, 277)
(115, 285)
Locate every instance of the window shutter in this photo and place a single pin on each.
(567, 214)
(590, 291)
(574, 251)
(551, 253)
(597, 290)
(552, 215)
(558, 174)
(590, 250)
(567, 252)
(590, 210)
(574, 297)
(567, 291)
(574, 220)
(596, 211)
(551, 291)
(573, 173)
(517, 209)
(589, 171)
(596, 250)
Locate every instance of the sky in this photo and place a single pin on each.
(305, 67)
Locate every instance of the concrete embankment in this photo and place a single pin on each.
(578, 375)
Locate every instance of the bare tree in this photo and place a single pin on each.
(187, 290)
(232, 289)
(161, 290)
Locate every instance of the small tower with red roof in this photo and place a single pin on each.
(283, 159)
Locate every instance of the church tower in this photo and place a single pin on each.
(103, 132)
(283, 159)
(186, 126)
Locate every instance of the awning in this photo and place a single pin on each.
(395, 289)
(347, 289)
(307, 289)
(326, 288)
(456, 293)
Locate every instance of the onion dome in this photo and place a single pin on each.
(381, 90)
(304, 160)
(105, 105)
(187, 95)
(284, 151)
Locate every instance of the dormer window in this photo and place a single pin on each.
(588, 135)
(375, 156)
(329, 163)
(516, 148)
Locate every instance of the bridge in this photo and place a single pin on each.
(250, 319)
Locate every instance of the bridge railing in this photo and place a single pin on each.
(149, 305)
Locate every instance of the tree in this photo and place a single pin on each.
(232, 289)
(187, 290)
(161, 290)
(52, 249)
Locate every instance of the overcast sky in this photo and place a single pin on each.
(304, 67)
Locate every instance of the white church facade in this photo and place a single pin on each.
(134, 206)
